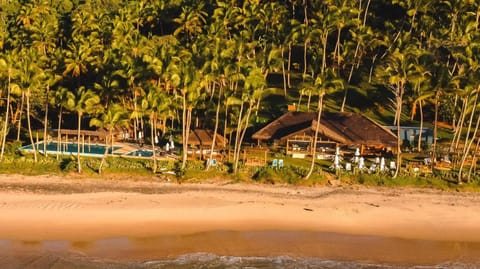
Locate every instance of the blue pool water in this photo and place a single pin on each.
(93, 150)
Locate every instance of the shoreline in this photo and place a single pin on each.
(411, 225)
(295, 245)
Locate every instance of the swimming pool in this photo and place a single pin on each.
(68, 148)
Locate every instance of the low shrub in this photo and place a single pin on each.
(288, 174)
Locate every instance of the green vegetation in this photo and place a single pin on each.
(166, 67)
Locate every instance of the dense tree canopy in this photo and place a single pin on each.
(232, 64)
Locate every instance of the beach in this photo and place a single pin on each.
(126, 220)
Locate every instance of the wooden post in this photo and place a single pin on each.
(312, 145)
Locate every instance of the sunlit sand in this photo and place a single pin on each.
(153, 220)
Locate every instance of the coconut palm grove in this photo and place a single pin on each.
(164, 68)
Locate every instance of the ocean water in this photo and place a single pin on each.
(245, 250)
(209, 261)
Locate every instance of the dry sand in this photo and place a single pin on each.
(167, 219)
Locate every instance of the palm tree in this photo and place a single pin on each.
(321, 94)
(356, 49)
(7, 70)
(114, 116)
(253, 90)
(60, 98)
(190, 93)
(154, 103)
(79, 56)
(400, 67)
(31, 77)
(324, 83)
(190, 21)
(83, 101)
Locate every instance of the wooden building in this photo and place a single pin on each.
(91, 136)
(296, 131)
(200, 143)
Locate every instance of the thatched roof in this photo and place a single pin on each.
(345, 128)
(286, 124)
(205, 138)
(355, 128)
(74, 132)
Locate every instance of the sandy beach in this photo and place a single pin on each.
(153, 219)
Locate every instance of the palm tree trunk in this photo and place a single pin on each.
(5, 127)
(299, 100)
(419, 147)
(242, 136)
(284, 72)
(309, 100)
(79, 164)
(454, 119)
(435, 129)
(59, 133)
(225, 126)
(237, 139)
(399, 97)
(289, 65)
(184, 132)
(152, 133)
(305, 46)
(317, 128)
(458, 130)
(105, 153)
(468, 141)
(474, 161)
(135, 124)
(469, 128)
(34, 146)
(468, 145)
(215, 129)
(45, 124)
(19, 125)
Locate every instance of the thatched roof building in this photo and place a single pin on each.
(204, 138)
(343, 128)
(285, 125)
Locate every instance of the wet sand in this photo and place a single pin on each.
(126, 220)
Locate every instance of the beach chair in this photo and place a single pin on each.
(348, 167)
(212, 162)
(393, 165)
(275, 163)
(280, 163)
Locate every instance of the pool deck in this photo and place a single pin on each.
(123, 150)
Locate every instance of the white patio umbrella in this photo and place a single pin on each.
(336, 162)
(361, 163)
(357, 155)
